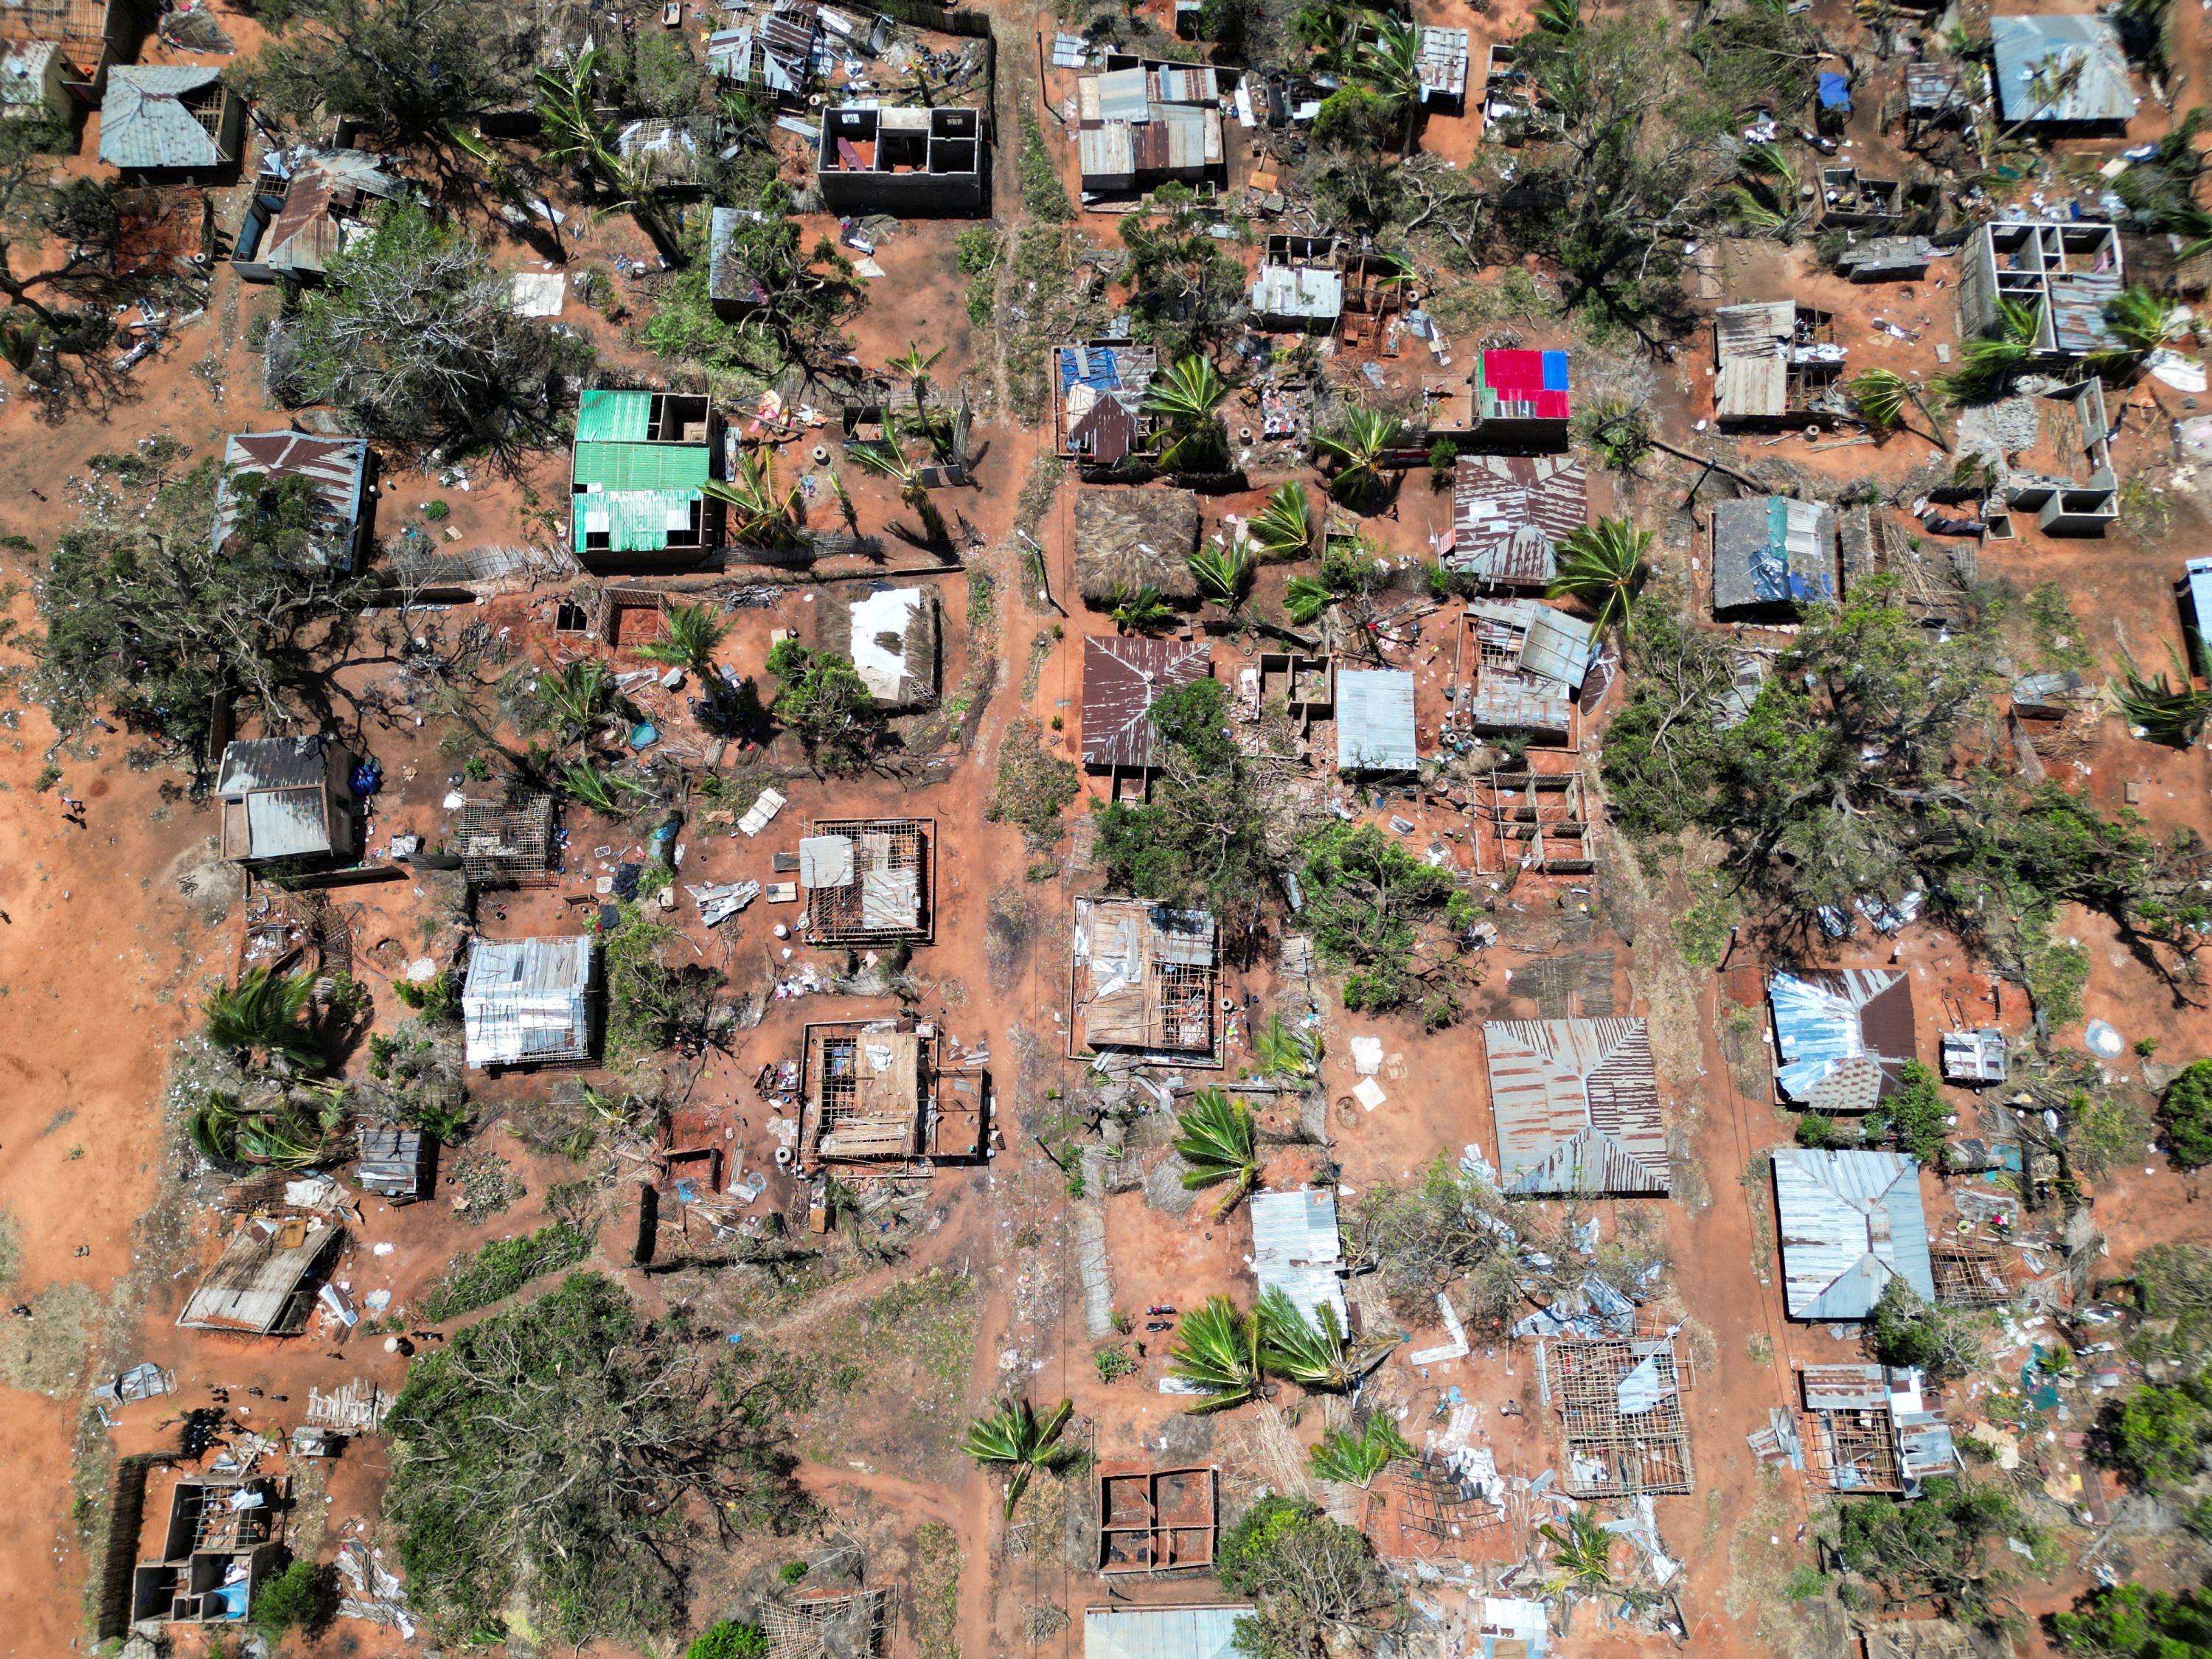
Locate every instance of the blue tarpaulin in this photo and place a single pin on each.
(1835, 91)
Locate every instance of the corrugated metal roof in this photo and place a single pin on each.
(1845, 1388)
(1849, 1223)
(528, 999)
(1840, 1039)
(1375, 720)
(283, 823)
(1304, 291)
(1769, 552)
(643, 466)
(1161, 1632)
(825, 860)
(145, 121)
(2060, 69)
(633, 521)
(1296, 1250)
(1122, 96)
(1121, 678)
(1510, 512)
(257, 1286)
(1576, 1106)
(253, 764)
(1443, 62)
(620, 417)
(1558, 647)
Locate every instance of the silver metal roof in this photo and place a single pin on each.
(1299, 291)
(144, 122)
(2060, 69)
(528, 999)
(1849, 1222)
(825, 860)
(1296, 1249)
(1375, 720)
(1161, 1632)
(253, 763)
(284, 823)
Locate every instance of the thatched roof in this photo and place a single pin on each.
(1126, 539)
(890, 635)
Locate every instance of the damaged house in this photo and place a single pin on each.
(1098, 391)
(1375, 726)
(1144, 981)
(637, 480)
(92, 36)
(2066, 478)
(1841, 1038)
(770, 51)
(2065, 76)
(891, 636)
(170, 123)
(1775, 363)
(219, 1539)
(1577, 1107)
(872, 1092)
(255, 462)
(266, 1279)
(1156, 1520)
(1299, 287)
(2062, 272)
(1771, 556)
(1509, 515)
(911, 135)
(1530, 661)
(1123, 677)
(1296, 1249)
(1126, 540)
(869, 881)
(1848, 1222)
(304, 208)
(1872, 1429)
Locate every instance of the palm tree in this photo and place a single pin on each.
(1560, 17)
(1987, 365)
(1358, 447)
(263, 1021)
(1582, 1554)
(1358, 1458)
(1285, 528)
(604, 792)
(2161, 712)
(1217, 1350)
(579, 697)
(569, 117)
(887, 459)
(1184, 395)
(1391, 63)
(1220, 1141)
(915, 367)
(1221, 576)
(1142, 609)
(1314, 1353)
(1602, 565)
(2141, 322)
(1880, 395)
(1306, 597)
(1765, 196)
(1280, 1051)
(1012, 1437)
(694, 632)
(765, 518)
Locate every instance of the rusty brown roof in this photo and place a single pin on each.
(1121, 678)
(1577, 1104)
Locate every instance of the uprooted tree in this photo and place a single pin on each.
(548, 1459)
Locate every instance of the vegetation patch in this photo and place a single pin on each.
(494, 1271)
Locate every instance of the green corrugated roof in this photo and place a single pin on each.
(637, 519)
(641, 466)
(612, 417)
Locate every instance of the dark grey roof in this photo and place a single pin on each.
(257, 764)
(1770, 552)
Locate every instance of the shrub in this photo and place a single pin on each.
(304, 1596)
(481, 1277)
(1114, 1363)
(2185, 1116)
(731, 1640)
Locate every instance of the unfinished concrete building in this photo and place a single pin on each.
(2066, 479)
(1144, 981)
(1775, 363)
(1156, 1520)
(869, 881)
(1534, 821)
(2063, 273)
(874, 1094)
(221, 1539)
(1849, 200)
(1871, 1429)
(1620, 1402)
(907, 160)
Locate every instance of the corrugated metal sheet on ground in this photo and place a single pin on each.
(1375, 730)
(1296, 1249)
(620, 417)
(1849, 1223)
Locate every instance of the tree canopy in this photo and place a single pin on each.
(404, 68)
(1201, 837)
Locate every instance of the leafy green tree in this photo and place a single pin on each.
(824, 699)
(1918, 1115)
(2184, 1116)
(1390, 62)
(1315, 1353)
(1222, 576)
(2157, 1437)
(729, 1639)
(1315, 1585)
(552, 1456)
(2130, 1621)
(888, 457)
(2174, 715)
(1942, 1544)
(402, 68)
(1220, 1140)
(1374, 910)
(1012, 1437)
(691, 637)
(1281, 1051)
(304, 1596)
(1200, 840)
(766, 517)
(1906, 1331)
(1185, 291)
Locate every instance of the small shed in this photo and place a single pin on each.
(169, 120)
(1521, 393)
(1509, 513)
(1122, 1631)
(1974, 1058)
(2068, 72)
(1375, 728)
(1296, 1249)
(890, 635)
(285, 798)
(1841, 1037)
(1123, 677)
(394, 1163)
(1849, 1223)
(1128, 539)
(528, 1002)
(1300, 285)
(33, 82)
(1444, 67)
(1772, 556)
